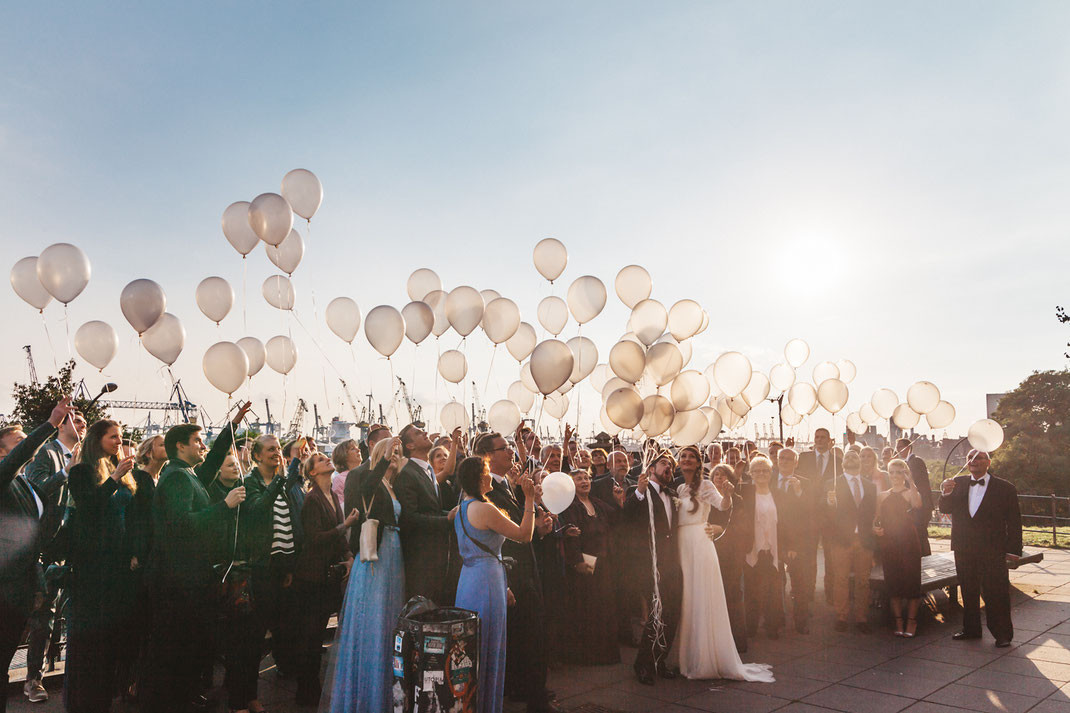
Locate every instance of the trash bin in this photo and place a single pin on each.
(435, 659)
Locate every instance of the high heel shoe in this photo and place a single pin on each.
(912, 628)
(899, 626)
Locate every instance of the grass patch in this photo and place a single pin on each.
(1030, 538)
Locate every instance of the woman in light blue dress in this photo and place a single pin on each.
(481, 528)
(361, 677)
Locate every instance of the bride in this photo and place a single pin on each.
(704, 647)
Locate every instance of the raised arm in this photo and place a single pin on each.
(21, 454)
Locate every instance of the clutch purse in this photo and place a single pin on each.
(369, 540)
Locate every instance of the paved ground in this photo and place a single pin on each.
(829, 671)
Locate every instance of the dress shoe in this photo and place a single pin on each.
(1002, 643)
(840, 625)
(863, 627)
(644, 676)
(669, 673)
(963, 636)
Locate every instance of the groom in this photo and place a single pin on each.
(653, 495)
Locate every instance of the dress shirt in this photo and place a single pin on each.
(765, 520)
(665, 501)
(426, 467)
(782, 484)
(977, 492)
(503, 479)
(37, 501)
(854, 482)
(820, 460)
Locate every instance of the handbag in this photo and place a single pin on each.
(369, 535)
(236, 582)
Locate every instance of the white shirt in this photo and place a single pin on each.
(820, 460)
(426, 467)
(765, 519)
(977, 492)
(854, 484)
(666, 501)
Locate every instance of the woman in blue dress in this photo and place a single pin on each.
(481, 528)
(362, 675)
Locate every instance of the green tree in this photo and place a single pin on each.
(1035, 454)
(34, 402)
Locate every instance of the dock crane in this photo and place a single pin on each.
(415, 409)
(29, 362)
(297, 420)
(479, 414)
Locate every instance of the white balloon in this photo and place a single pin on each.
(732, 372)
(271, 217)
(847, 370)
(757, 389)
(278, 292)
(716, 424)
(452, 366)
(26, 285)
(738, 405)
(648, 321)
(715, 390)
(489, 296)
(501, 320)
(521, 344)
(304, 192)
(555, 405)
(452, 416)
(781, 377)
(236, 228)
(504, 417)
(613, 384)
(690, 389)
(255, 352)
(825, 370)
(551, 364)
(225, 366)
(343, 318)
(287, 255)
(585, 358)
(384, 328)
(419, 320)
(165, 339)
(464, 309)
(905, 417)
(550, 258)
(663, 362)
(802, 397)
(832, 394)
(884, 402)
(215, 298)
(658, 415)
(985, 435)
(684, 346)
(521, 396)
(624, 407)
(558, 492)
(599, 376)
(627, 360)
(630, 337)
(280, 353)
(553, 314)
(856, 425)
(421, 283)
(923, 396)
(143, 303)
(63, 270)
(689, 427)
(796, 352)
(526, 379)
(436, 300)
(97, 343)
(790, 416)
(610, 428)
(941, 416)
(586, 298)
(867, 414)
(633, 285)
(685, 319)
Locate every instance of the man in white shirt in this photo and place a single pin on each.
(850, 542)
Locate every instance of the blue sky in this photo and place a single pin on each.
(887, 181)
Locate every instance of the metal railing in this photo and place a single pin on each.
(1042, 514)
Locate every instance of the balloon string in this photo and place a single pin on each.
(490, 368)
(245, 294)
(52, 349)
(438, 348)
(67, 326)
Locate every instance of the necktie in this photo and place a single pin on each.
(856, 490)
(821, 463)
(434, 480)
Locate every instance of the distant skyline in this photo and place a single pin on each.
(885, 181)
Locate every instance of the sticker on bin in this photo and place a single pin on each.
(457, 629)
(399, 667)
(435, 645)
(397, 643)
(459, 670)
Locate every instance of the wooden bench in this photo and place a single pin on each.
(938, 570)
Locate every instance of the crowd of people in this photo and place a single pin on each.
(166, 556)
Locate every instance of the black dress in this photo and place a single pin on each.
(899, 547)
(591, 636)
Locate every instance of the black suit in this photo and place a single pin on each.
(730, 555)
(920, 474)
(981, 544)
(425, 534)
(526, 660)
(651, 654)
(820, 483)
(849, 545)
(800, 511)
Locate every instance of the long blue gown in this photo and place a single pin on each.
(482, 589)
(376, 592)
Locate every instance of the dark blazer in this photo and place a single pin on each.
(48, 474)
(801, 512)
(425, 533)
(996, 528)
(637, 513)
(325, 537)
(842, 519)
(807, 466)
(785, 526)
(526, 572)
(922, 515)
(602, 488)
(139, 517)
(20, 538)
(362, 485)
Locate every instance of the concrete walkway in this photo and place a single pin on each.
(829, 671)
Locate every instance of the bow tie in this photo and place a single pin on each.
(977, 482)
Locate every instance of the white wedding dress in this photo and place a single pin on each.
(704, 647)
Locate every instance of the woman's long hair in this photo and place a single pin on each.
(697, 479)
(470, 475)
(101, 464)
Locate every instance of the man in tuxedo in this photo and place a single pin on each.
(48, 474)
(653, 496)
(820, 467)
(920, 473)
(351, 492)
(849, 541)
(986, 531)
(425, 525)
(526, 659)
(22, 508)
(798, 507)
